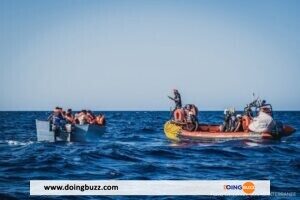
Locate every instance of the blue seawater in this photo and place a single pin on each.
(135, 148)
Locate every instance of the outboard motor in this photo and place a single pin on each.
(277, 130)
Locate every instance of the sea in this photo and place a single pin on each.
(134, 147)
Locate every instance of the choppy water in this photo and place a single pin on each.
(135, 147)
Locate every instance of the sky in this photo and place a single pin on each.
(129, 55)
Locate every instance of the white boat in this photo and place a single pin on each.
(77, 133)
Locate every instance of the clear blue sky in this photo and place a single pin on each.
(129, 55)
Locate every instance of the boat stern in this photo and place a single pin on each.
(288, 130)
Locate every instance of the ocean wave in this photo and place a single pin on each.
(135, 147)
(16, 143)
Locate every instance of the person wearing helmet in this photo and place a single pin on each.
(225, 126)
(229, 120)
(176, 99)
(238, 123)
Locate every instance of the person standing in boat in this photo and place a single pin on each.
(100, 120)
(56, 116)
(91, 118)
(56, 119)
(176, 99)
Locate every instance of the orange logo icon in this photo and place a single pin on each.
(248, 187)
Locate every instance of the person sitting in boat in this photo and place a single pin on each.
(69, 117)
(191, 111)
(238, 123)
(191, 117)
(176, 99)
(81, 118)
(91, 118)
(229, 120)
(100, 120)
(263, 122)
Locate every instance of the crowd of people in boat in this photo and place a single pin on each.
(233, 122)
(187, 116)
(61, 117)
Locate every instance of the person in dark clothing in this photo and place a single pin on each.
(56, 120)
(56, 117)
(229, 124)
(238, 124)
(176, 99)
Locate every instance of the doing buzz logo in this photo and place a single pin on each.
(247, 187)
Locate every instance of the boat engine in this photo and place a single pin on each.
(278, 130)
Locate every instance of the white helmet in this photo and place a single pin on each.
(225, 111)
